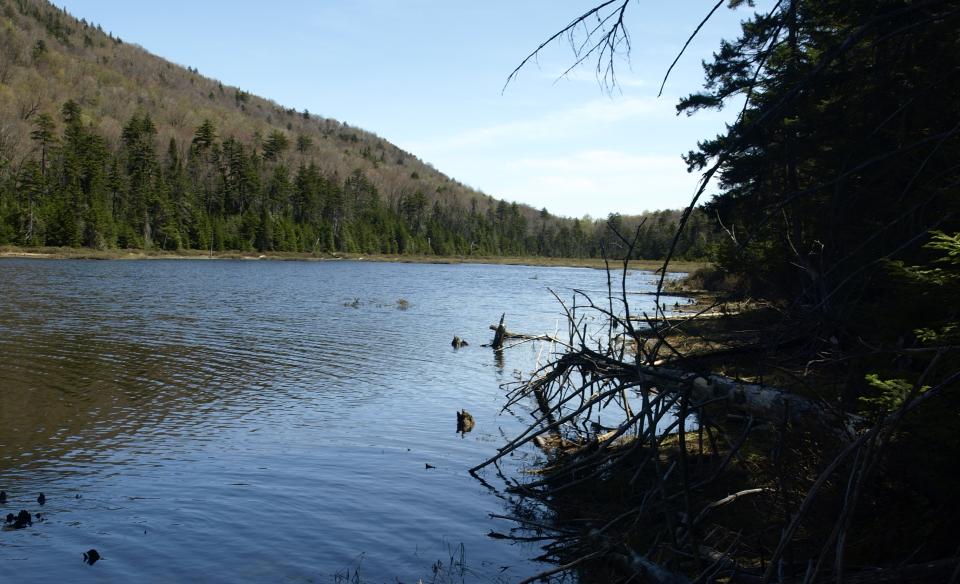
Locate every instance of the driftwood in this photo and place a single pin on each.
(498, 336)
(761, 401)
(673, 449)
(501, 334)
(19, 521)
(465, 422)
(91, 557)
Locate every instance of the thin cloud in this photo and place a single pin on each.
(615, 181)
(598, 161)
(551, 125)
(589, 75)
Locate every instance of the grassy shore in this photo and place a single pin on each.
(138, 254)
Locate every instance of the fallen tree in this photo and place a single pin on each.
(706, 476)
(501, 334)
(824, 449)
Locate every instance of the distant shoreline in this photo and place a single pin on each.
(61, 253)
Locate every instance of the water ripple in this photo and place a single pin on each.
(234, 421)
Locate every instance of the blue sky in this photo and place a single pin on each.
(427, 75)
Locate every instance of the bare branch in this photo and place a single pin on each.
(693, 35)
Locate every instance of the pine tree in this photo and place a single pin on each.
(44, 136)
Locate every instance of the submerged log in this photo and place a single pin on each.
(21, 520)
(91, 557)
(499, 334)
(465, 422)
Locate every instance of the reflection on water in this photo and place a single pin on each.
(235, 421)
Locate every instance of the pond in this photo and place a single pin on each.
(227, 421)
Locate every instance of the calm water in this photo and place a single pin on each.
(237, 421)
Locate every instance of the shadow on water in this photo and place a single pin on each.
(70, 398)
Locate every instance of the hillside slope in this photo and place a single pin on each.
(104, 145)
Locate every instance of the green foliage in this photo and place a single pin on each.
(838, 191)
(147, 154)
(889, 394)
(304, 144)
(945, 282)
(842, 157)
(276, 144)
(950, 257)
(39, 50)
(947, 334)
(929, 290)
(205, 136)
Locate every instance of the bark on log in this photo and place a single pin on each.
(505, 334)
(498, 335)
(761, 401)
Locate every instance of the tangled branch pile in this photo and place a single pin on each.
(707, 477)
(811, 437)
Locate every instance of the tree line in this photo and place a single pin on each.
(105, 145)
(220, 193)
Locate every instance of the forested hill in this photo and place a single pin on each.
(104, 145)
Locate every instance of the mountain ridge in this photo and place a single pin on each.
(224, 169)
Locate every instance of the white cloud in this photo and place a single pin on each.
(597, 161)
(599, 157)
(611, 181)
(624, 80)
(551, 125)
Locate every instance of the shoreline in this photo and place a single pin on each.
(68, 253)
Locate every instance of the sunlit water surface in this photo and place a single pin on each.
(237, 421)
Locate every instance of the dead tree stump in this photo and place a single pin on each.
(499, 335)
(465, 421)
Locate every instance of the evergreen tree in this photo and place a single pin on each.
(834, 162)
(44, 136)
